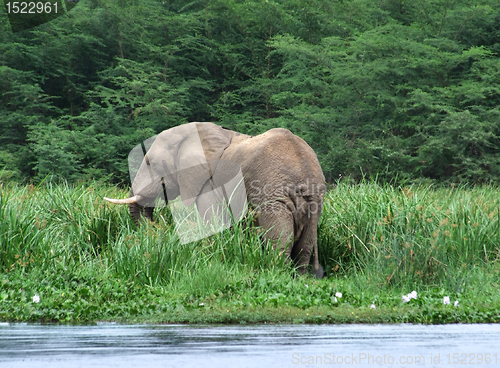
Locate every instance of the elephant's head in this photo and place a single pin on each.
(181, 160)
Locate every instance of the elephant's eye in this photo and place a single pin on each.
(147, 159)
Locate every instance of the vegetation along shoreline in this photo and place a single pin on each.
(412, 254)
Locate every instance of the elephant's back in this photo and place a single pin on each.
(277, 151)
(292, 151)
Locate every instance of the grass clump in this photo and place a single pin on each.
(66, 255)
(410, 236)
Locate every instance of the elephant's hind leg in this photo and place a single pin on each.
(276, 221)
(304, 248)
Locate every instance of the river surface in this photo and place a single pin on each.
(115, 345)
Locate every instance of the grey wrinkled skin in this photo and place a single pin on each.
(283, 180)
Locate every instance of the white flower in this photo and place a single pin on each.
(373, 306)
(335, 299)
(36, 299)
(446, 300)
(338, 294)
(307, 286)
(202, 304)
(456, 303)
(412, 295)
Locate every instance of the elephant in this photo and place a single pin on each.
(282, 177)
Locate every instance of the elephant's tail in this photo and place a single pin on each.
(317, 268)
(314, 220)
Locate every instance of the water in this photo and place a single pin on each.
(114, 345)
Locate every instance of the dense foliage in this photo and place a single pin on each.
(405, 91)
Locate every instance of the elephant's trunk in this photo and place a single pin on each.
(129, 200)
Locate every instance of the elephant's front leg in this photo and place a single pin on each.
(276, 221)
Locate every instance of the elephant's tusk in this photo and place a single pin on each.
(130, 200)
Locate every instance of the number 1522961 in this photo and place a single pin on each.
(17, 7)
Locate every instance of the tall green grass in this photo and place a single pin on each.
(380, 235)
(21, 244)
(72, 226)
(410, 236)
(55, 224)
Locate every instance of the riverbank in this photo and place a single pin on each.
(80, 297)
(66, 256)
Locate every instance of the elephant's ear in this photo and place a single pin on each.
(202, 145)
(214, 140)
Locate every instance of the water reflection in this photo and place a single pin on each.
(114, 345)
